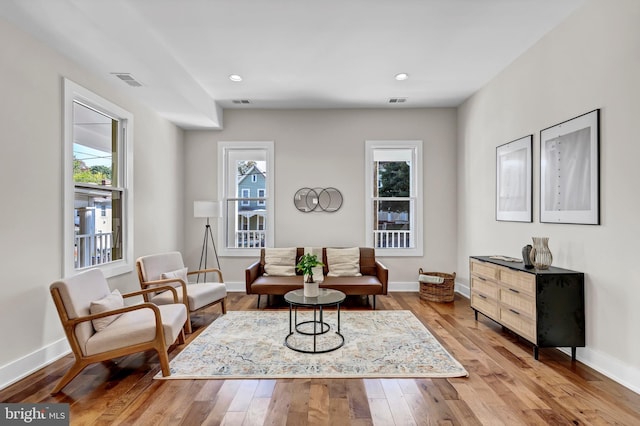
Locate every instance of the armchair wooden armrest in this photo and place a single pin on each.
(205, 271)
(156, 312)
(153, 286)
(172, 289)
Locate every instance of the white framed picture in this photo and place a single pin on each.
(570, 171)
(514, 180)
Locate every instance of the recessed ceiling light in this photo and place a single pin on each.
(235, 77)
(402, 76)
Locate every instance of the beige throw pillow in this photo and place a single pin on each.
(178, 274)
(280, 262)
(107, 303)
(344, 262)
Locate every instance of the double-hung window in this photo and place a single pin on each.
(98, 199)
(393, 187)
(245, 179)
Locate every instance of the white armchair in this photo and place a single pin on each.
(99, 327)
(168, 269)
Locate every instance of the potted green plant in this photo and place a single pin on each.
(305, 265)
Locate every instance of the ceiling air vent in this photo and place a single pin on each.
(397, 100)
(241, 101)
(127, 78)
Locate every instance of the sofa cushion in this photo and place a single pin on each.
(365, 284)
(276, 285)
(343, 262)
(280, 262)
(107, 303)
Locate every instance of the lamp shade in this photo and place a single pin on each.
(206, 209)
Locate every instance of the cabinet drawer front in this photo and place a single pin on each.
(519, 323)
(523, 304)
(485, 287)
(485, 269)
(486, 306)
(520, 281)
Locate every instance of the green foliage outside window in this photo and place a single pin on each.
(395, 178)
(93, 174)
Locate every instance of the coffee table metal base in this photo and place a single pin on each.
(313, 328)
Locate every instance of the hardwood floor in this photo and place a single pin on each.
(506, 386)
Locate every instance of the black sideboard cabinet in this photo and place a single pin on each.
(545, 307)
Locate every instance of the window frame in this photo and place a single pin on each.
(224, 149)
(73, 92)
(262, 193)
(416, 195)
(245, 195)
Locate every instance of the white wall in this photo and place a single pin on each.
(31, 175)
(322, 148)
(590, 61)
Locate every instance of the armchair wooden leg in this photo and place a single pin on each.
(181, 338)
(258, 305)
(164, 362)
(224, 306)
(187, 325)
(69, 375)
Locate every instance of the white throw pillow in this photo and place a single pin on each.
(107, 303)
(343, 262)
(280, 262)
(179, 274)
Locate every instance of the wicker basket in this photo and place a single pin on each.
(438, 292)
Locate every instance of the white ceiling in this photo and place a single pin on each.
(291, 53)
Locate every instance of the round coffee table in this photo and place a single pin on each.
(297, 299)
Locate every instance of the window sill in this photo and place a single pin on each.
(384, 252)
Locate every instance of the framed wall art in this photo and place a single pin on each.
(570, 171)
(514, 181)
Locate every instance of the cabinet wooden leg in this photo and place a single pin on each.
(476, 314)
(535, 353)
(573, 353)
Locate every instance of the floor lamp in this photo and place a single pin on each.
(207, 209)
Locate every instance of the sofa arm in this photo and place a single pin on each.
(251, 274)
(383, 275)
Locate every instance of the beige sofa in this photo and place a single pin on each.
(373, 281)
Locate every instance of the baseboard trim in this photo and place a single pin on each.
(403, 286)
(624, 374)
(236, 286)
(28, 364)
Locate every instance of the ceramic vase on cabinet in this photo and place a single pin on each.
(541, 256)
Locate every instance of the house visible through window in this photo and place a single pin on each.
(393, 182)
(247, 188)
(97, 198)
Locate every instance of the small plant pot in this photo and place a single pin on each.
(311, 289)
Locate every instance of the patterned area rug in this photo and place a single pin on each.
(247, 345)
